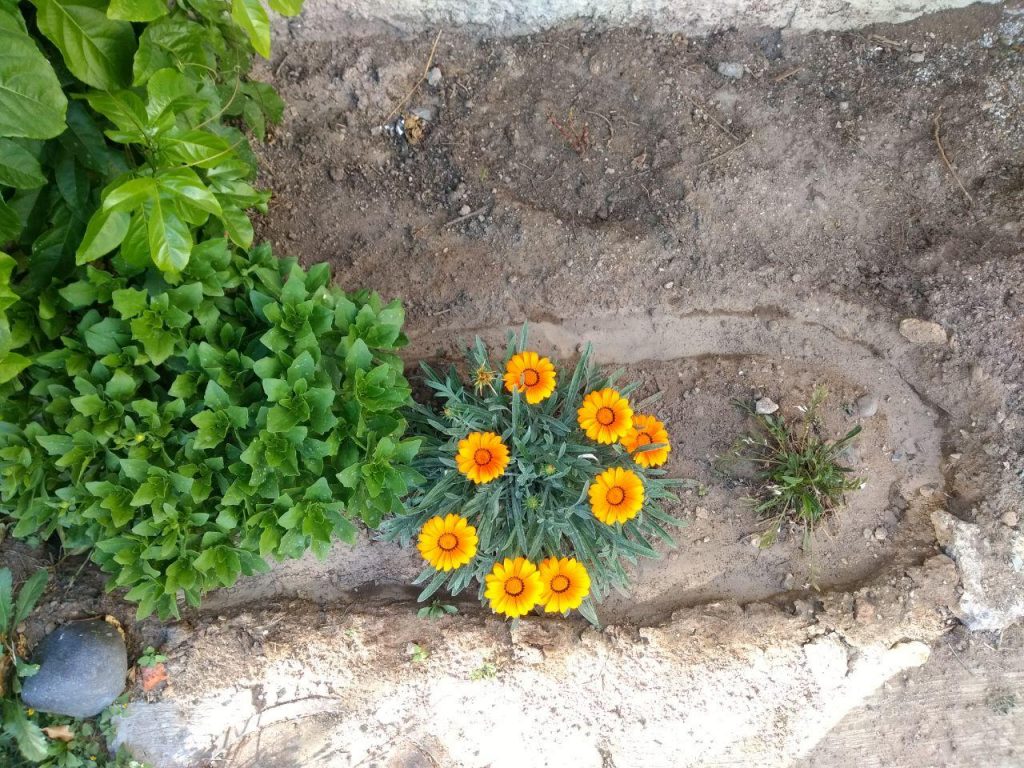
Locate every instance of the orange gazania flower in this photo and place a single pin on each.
(616, 495)
(605, 416)
(532, 375)
(513, 587)
(564, 583)
(647, 430)
(447, 543)
(482, 457)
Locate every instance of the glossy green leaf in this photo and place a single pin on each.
(96, 49)
(106, 231)
(32, 104)
(252, 17)
(19, 167)
(137, 10)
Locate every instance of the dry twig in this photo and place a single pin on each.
(945, 159)
(418, 83)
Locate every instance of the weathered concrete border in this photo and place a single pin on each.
(333, 19)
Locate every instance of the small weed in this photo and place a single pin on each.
(150, 658)
(436, 610)
(486, 671)
(798, 471)
(418, 654)
(1002, 702)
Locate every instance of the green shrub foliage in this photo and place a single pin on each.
(182, 434)
(173, 401)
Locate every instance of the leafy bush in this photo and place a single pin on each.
(114, 140)
(182, 434)
(534, 496)
(800, 477)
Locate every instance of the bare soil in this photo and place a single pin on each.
(722, 238)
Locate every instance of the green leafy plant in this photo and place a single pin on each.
(418, 654)
(19, 733)
(538, 506)
(121, 138)
(799, 475)
(437, 610)
(150, 657)
(486, 671)
(181, 434)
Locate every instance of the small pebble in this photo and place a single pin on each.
(1009, 519)
(788, 582)
(465, 210)
(917, 58)
(765, 406)
(922, 331)
(669, 285)
(881, 534)
(434, 77)
(867, 406)
(731, 69)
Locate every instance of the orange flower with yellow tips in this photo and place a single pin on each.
(564, 583)
(448, 542)
(532, 375)
(616, 495)
(605, 416)
(482, 456)
(647, 430)
(513, 587)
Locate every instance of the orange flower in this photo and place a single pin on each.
(616, 495)
(531, 374)
(513, 587)
(605, 416)
(447, 543)
(647, 430)
(564, 584)
(482, 457)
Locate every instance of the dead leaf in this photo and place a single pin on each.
(116, 625)
(153, 676)
(59, 732)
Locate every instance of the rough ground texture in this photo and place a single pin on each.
(722, 238)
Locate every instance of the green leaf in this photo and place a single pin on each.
(106, 230)
(170, 239)
(27, 735)
(10, 223)
(29, 595)
(32, 103)
(137, 10)
(129, 302)
(6, 601)
(11, 364)
(130, 194)
(18, 167)
(252, 17)
(286, 7)
(97, 50)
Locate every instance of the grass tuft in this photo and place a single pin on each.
(800, 476)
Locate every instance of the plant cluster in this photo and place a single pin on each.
(800, 475)
(537, 486)
(174, 401)
(181, 434)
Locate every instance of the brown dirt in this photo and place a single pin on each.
(780, 225)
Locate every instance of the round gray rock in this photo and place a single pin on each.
(82, 669)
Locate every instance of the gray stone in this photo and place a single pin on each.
(434, 77)
(867, 406)
(922, 331)
(765, 406)
(881, 534)
(82, 669)
(991, 565)
(731, 69)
